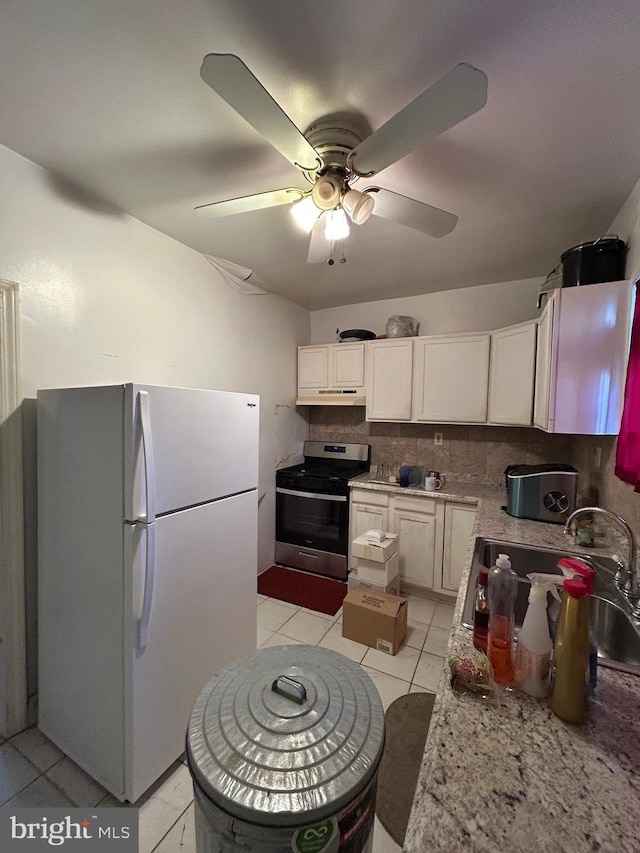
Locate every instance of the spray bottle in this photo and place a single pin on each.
(574, 567)
(569, 679)
(533, 653)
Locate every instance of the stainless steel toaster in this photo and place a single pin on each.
(541, 492)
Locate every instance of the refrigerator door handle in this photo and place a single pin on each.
(143, 613)
(149, 514)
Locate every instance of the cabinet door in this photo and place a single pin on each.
(347, 366)
(542, 387)
(389, 376)
(590, 351)
(513, 354)
(418, 546)
(458, 529)
(366, 517)
(452, 378)
(313, 367)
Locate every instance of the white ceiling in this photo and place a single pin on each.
(109, 97)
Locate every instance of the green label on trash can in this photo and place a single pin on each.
(317, 838)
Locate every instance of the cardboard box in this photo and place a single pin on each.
(393, 587)
(375, 619)
(378, 553)
(380, 573)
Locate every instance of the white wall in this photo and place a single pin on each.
(470, 309)
(106, 299)
(627, 226)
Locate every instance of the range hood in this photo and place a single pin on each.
(332, 397)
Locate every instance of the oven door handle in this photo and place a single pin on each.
(335, 498)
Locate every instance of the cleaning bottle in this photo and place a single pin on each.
(574, 567)
(569, 681)
(481, 612)
(534, 647)
(503, 589)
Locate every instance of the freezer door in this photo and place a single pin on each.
(202, 616)
(184, 447)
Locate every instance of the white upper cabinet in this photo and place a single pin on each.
(511, 374)
(564, 372)
(587, 355)
(451, 377)
(389, 370)
(347, 366)
(331, 373)
(313, 367)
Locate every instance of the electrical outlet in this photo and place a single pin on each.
(437, 438)
(598, 455)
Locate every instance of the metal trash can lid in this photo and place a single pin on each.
(284, 732)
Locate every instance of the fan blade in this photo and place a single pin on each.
(457, 95)
(414, 214)
(231, 79)
(319, 246)
(250, 202)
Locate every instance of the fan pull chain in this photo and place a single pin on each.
(343, 259)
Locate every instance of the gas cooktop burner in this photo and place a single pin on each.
(326, 467)
(333, 472)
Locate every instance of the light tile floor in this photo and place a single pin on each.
(34, 772)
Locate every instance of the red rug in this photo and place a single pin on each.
(322, 594)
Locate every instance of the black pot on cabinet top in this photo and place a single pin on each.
(355, 335)
(590, 263)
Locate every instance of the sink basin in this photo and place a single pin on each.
(616, 632)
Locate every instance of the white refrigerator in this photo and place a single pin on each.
(147, 543)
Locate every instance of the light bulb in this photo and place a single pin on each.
(358, 205)
(305, 213)
(336, 226)
(326, 192)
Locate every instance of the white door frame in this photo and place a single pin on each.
(13, 674)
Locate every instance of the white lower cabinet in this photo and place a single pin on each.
(369, 511)
(459, 519)
(419, 523)
(434, 534)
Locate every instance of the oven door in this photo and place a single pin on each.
(313, 522)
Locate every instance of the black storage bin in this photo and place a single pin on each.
(589, 263)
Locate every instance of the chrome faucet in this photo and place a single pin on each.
(629, 578)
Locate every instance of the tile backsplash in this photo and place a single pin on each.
(469, 452)
(597, 482)
(481, 453)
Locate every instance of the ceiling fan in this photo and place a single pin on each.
(332, 155)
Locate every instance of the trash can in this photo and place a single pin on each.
(284, 747)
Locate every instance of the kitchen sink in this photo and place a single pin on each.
(617, 632)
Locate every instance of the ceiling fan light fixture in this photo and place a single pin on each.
(336, 225)
(326, 192)
(305, 213)
(358, 205)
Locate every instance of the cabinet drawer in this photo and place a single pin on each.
(369, 496)
(426, 506)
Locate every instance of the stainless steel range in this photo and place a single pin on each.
(312, 507)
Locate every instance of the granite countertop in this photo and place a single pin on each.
(506, 774)
(461, 491)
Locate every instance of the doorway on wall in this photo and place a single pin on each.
(13, 678)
